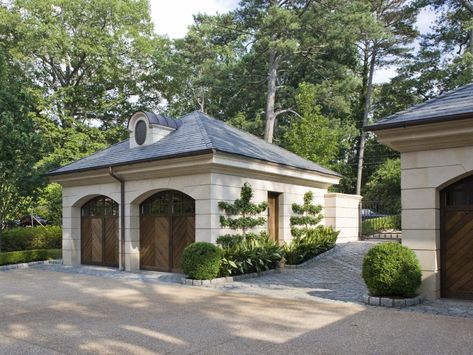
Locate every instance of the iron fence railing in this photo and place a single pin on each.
(380, 221)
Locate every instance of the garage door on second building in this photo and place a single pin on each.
(167, 227)
(457, 240)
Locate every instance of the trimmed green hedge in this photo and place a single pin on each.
(201, 261)
(376, 225)
(391, 269)
(25, 256)
(49, 237)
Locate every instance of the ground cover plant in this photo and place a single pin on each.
(25, 256)
(374, 225)
(309, 238)
(391, 269)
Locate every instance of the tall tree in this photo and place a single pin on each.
(19, 140)
(382, 45)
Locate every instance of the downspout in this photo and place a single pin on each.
(122, 216)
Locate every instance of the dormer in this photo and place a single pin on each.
(147, 128)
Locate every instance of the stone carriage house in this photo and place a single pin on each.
(435, 139)
(139, 203)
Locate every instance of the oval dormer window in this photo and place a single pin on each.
(140, 132)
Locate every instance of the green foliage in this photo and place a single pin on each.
(255, 253)
(50, 202)
(201, 261)
(245, 209)
(315, 242)
(19, 140)
(391, 269)
(26, 256)
(309, 239)
(375, 225)
(48, 237)
(307, 216)
(385, 185)
(315, 136)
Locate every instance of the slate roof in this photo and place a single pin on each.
(452, 105)
(196, 134)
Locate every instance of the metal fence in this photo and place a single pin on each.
(380, 221)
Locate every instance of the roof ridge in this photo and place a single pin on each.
(206, 137)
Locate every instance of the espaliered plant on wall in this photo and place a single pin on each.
(242, 214)
(246, 251)
(309, 238)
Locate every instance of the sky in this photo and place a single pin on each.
(171, 18)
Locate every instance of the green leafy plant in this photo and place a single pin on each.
(242, 214)
(48, 237)
(246, 252)
(315, 242)
(255, 253)
(391, 269)
(201, 261)
(26, 256)
(309, 239)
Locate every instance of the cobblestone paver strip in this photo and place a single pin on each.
(336, 276)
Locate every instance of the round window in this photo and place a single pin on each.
(140, 132)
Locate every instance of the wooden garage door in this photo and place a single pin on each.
(99, 232)
(457, 240)
(167, 226)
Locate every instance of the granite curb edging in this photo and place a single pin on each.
(27, 265)
(392, 302)
(305, 263)
(228, 279)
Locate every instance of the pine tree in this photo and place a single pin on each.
(243, 214)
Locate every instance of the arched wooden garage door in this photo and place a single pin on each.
(167, 225)
(99, 232)
(457, 240)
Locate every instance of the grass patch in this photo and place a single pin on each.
(26, 256)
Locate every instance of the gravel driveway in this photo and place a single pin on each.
(45, 312)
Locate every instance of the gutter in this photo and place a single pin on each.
(122, 217)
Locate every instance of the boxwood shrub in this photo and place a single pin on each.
(391, 269)
(201, 261)
(48, 237)
(25, 256)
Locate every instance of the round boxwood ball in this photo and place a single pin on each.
(201, 261)
(391, 269)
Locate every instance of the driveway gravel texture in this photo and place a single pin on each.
(53, 309)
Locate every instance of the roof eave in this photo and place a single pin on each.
(422, 121)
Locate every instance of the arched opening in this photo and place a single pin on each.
(456, 239)
(99, 232)
(167, 227)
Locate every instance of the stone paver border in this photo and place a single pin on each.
(27, 265)
(228, 279)
(392, 302)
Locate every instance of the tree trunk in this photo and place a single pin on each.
(271, 96)
(369, 92)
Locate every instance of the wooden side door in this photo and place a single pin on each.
(273, 216)
(155, 243)
(183, 234)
